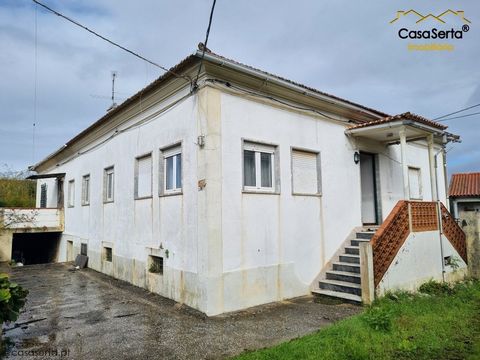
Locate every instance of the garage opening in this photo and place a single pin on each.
(35, 248)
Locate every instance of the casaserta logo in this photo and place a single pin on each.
(448, 25)
(459, 13)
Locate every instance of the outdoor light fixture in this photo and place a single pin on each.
(356, 157)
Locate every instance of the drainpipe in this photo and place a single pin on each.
(439, 212)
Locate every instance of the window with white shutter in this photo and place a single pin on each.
(305, 173)
(143, 177)
(171, 170)
(415, 183)
(259, 167)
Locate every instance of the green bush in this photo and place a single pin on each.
(17, 192)
(378, 318)
(12, 299)
(433, 287)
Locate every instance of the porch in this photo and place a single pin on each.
(31, 233)
(407, 235)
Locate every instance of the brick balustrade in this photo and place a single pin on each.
(407, 217)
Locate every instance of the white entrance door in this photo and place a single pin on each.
(367, 178)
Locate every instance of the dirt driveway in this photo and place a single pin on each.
(87, 315)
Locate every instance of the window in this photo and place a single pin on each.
(108, 191)
(43, 196)
(172, 170)
(258, 167)
(71, 193)
(86, 190)
(415, 183)
(107, 254)
(156, 265)
(143, 177)
(305, 172)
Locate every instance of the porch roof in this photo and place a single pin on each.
(388, 128)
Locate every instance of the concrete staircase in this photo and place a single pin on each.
(342, 278)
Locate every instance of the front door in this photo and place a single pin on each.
(368, 187)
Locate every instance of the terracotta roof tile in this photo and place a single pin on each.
(465, 184)
(407, 115)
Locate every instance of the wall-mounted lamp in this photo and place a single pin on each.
(356, 157)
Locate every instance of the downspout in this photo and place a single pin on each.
(439, 213)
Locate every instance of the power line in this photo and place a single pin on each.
(111, 42)
(253, 93)
(205, 43)
(459, 117)
(456, 112)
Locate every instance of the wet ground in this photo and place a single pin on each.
(87, 315)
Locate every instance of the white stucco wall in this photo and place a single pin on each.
(274, 245)
(419, 260)
(137, 228)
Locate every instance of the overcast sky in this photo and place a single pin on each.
(347, 48)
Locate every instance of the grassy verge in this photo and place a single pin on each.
(441, 322)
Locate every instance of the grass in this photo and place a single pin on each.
(440, 322)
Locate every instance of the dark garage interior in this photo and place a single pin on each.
(35, 248)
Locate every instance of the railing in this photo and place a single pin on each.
(31, 219)
(454, 233)
(407, 217)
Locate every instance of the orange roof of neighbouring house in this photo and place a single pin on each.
(407, 116)
(465, 184)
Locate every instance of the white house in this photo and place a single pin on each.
(241, 188)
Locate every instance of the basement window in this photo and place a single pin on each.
(83, 249)
(259, 167)
(107, 254)
(156, 265)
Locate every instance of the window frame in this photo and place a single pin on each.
(71, 193)
(319, 171)
(106, 250)
(43, 195)
(258, 148)
(106, 172)
(86, 199)
(166, 153)
(420, 185)
(137, 162)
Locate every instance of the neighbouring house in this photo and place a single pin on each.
(464, 193)
(244, 188)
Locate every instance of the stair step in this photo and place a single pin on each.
(365, 234)
(341, 286)
(352, 250)
(343, 276)
(352, 259)
(356, 242)
(340, 295)
(347, 267)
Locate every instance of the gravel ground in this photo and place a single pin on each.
(87, 315)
